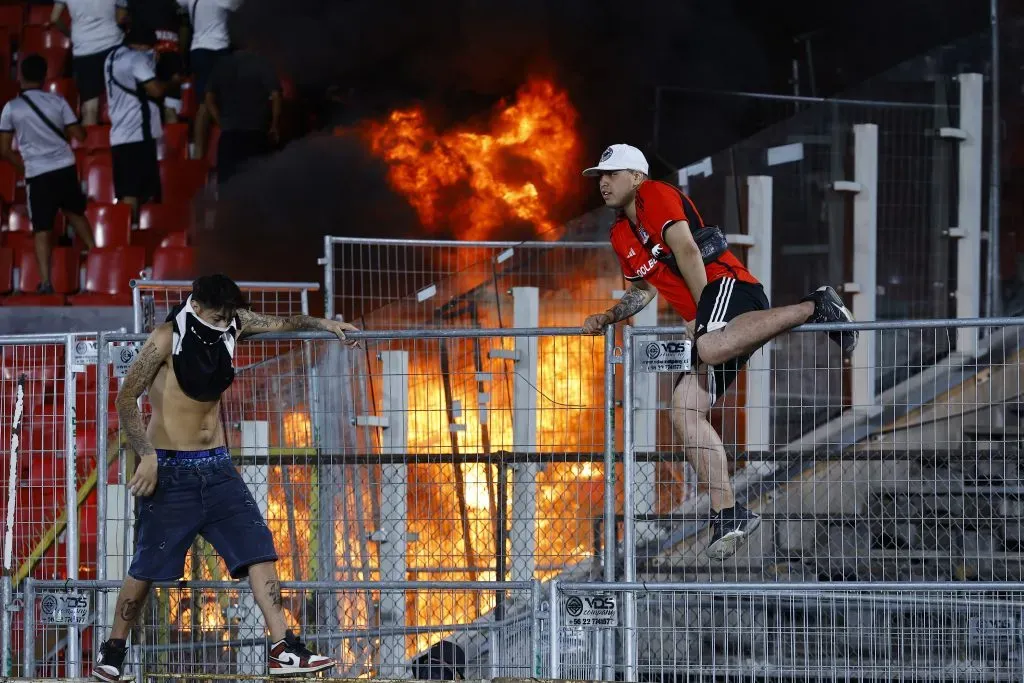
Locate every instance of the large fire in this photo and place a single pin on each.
(474, 182)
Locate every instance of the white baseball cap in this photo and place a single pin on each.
(620, 158)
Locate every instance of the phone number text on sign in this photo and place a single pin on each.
(596, 610)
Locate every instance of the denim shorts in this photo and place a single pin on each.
(198, 493)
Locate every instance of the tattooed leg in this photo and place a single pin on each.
(129, 604)
(266, 588)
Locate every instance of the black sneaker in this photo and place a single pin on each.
(289, 657)
(44, 288)
(110, 664)
(829, 308)
(731, 528)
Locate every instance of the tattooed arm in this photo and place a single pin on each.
(254, 323)
(632, 302)
(153, 354)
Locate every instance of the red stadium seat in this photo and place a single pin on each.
(6, 269)
(212, 145)
(51, 44)
(66, 88)
(19, 228)
(99, 182)
(107, 273)
(189, 106)
(97, 139)
(163, 218)
(111, 224)
(63, 277)
(182, 179)
(175, 239)
(174, 263)
(12, 16)
(8, 183)
(40, 14)
(5, 50)
(174, 143)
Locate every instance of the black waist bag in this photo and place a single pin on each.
(711, 242)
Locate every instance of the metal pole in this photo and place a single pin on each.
(554, 656)
(102, 398)
(609, 489)
(328, 264)
(74, 658)
(28, 659)
(537, 663)
(993, 300)
(136, 308)
(5, 626)
(304, 301)
(628, 528)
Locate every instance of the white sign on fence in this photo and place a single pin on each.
(664, 356)
(123, 357)
(593, 610)
(69, 607)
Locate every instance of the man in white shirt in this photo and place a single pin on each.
(210, 42)
(42, 123)
(94, 32)
(133, 98)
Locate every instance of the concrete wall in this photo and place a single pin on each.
(55, 319)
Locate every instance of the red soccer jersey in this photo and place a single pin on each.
(658, 205)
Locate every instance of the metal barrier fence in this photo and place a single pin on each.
(152, 300)
(489, 455)
(211, 628)
(775, 631)
(386, 284)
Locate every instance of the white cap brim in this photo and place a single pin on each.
(601, 168)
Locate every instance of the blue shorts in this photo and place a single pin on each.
(198, 493)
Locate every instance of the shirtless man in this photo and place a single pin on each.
(186, 482)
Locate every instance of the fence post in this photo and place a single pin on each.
(393, 503)
(328, 263)
(255, 442)
(74, 650)
(629, 644)
(554, 629)
(7, 605)
(645, 432)
(525, 314)
(28, 651)
(608, 648)
(865, 259)
(759, 262)
(968, 229)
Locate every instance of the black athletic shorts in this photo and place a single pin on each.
(89, 76)
(720, 302)
(50, 192)
(136, 171)
(202, 62)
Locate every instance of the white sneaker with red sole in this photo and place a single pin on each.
(289, 657)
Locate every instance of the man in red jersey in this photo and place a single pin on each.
(725, 308)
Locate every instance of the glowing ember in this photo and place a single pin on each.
(476, 182)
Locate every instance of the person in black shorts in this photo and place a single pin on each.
(133, 94)
(664, 247)
(43, 122)
(95, 30)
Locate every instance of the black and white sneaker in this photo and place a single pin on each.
(731, 528)
(829, 308)
(110, 664)
(289, 657)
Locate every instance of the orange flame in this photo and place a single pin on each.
(476, 183)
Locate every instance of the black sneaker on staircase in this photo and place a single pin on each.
(829, 308)
(731, 528)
